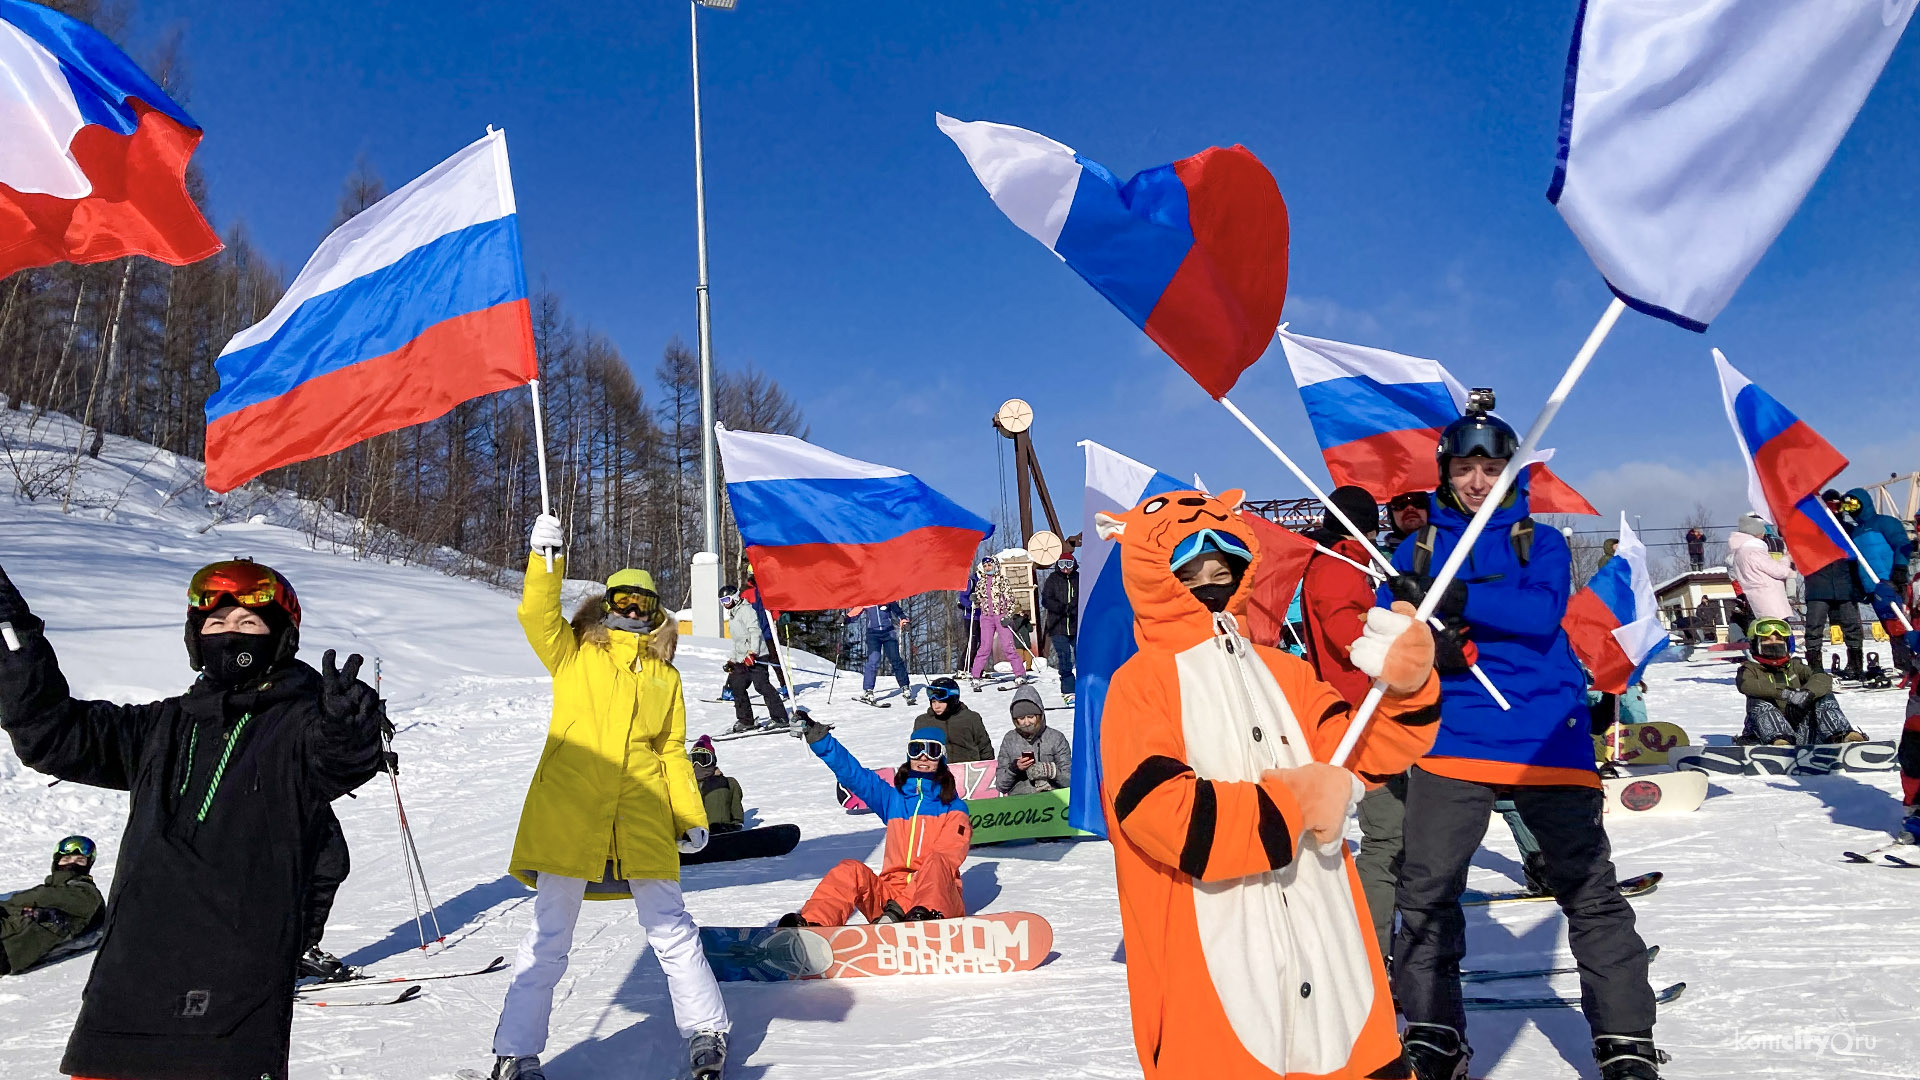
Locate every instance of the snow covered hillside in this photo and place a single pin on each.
(1793, 958)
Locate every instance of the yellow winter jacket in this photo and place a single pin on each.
(614, 783)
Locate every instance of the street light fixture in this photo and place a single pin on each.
(706, 565)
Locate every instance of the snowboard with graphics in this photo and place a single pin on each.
(1039, 815)
(1656, 793)
(1638, 744)
(975, 945)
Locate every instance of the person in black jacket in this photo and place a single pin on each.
(1060, 598)
(194, 980)
(1833, 592)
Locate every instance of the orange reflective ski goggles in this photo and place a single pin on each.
(242, 582)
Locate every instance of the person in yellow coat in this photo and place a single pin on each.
(612, 804)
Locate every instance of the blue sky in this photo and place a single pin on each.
(856, 259)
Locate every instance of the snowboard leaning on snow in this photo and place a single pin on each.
(764, 842)
(975, 945)
(972, 779)
(1657, 793)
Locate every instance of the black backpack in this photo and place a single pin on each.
(1520, 536)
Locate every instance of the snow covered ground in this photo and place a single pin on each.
(1793, 958)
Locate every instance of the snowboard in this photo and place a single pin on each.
(975, 945)
(1631, 887)
(1638, 744)
(1658, 793)
(764, 842)
(971, 779)
(1787, 760)
(1034, 816)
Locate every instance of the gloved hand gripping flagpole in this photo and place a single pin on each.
(1353, 531)
(1478, 525)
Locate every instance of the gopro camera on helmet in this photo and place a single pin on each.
(1480, 399)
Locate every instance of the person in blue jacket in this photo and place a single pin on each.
(882, 623)
(1503, 611)
(1884, 547)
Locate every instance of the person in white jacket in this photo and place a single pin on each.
(1760, 576)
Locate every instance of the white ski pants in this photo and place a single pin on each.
(542, 959)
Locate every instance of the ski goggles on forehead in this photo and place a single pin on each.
(1207, 540)
(76, 845)
(701, 756)
(1769, 628)
(244, 583)
(926, 748)
(942, 693)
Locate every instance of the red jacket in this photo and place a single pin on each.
(1335, 600)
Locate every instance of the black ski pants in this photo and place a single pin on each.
(757, 674)
(1446, 820)
(330, 865)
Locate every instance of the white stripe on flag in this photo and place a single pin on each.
(1316, 360)
(1645, 635)
(38, 120)
(748, 456)
(1731, 383)
(1114, 485)
(460, 192)
(1031, 177)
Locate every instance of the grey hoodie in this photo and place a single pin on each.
(1047, 746)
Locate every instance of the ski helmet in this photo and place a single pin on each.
(1477, 433)
(75, 845)
(1768, 640)
(251, 585)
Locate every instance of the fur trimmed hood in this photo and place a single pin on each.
(590, 628)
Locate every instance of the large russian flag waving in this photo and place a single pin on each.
(1195, 252)
(415, 305)
(93, 154)
(1378, 416)
(1787, 465)
(1115, 484)
(826, 531)
(1614, 623)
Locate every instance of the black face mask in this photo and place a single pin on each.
(1215, 597)
(1771, 650)
(229, 660)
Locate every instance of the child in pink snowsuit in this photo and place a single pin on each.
(991, 605)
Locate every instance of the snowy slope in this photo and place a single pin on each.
(1791, 955)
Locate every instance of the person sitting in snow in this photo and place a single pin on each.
(749, 664)
(225, 784)
(1788, 703)
(928, 833)
(36, 921)
(1033, 756)
(720, 792)
(960, 727)
(1250, 952)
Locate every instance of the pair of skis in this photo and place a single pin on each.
(1886, 856)
(412, 991)
(1549, 1001)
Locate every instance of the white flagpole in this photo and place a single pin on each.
(503, 186)
(540, 444)
(1478, 525)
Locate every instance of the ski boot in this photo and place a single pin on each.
(1909, 830)
(1069, 698)
(518, 1068)
(1628, 1057)
(1435, 1052)
(866, 698)
(922, 913)
(977, 684)
(913, 696)
(792, 919)
(890, 914)
(741, 727)
(707, 1054)
(320, 964)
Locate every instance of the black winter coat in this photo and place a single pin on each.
(194, 980)
(1835, 583)
(1060, 599)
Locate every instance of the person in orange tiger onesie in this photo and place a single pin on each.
(1250, 953)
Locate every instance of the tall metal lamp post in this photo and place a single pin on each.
(705, 575)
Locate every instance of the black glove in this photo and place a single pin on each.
(727, 667)
(803, 725)
(1412, 589)
(1796, 698)
(1453, 653)
(13, 606)
(392, 760)
(344, 699)
(1899, 576)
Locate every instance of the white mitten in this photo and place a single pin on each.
(1395, 648)
(692, 841)
(546, 536)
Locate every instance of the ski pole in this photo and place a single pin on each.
(410, 853)
(839, 649)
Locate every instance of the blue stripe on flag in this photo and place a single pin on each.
(101, 76)
(868, 510)
(1761, 417)
(462, 272)
(1613, 584)
(1348, 409)
(1127, 242)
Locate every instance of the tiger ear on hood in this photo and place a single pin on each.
(1231, 499)
(1107, 525)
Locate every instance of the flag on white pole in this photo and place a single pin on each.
(1690, 132)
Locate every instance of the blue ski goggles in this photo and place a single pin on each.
(1210, 540)
(926, 748)
(942, 693)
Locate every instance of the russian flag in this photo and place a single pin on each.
(1787, 465)
(93, 154)
(415, 305)
(1378, 416)
(1195, 252)
(1614, 623)
(1115, 484)
(826, 531)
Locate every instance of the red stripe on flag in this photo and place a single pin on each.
(1791, 466)
(139, 204)
(1590, 624)
(1548, 494)
(1388, 463)
(451, 362)
(1283, 562)
(816, 577)
(1218, 314)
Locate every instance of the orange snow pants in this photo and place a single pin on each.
(853, 886)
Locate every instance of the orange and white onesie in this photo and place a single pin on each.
(1250, 953)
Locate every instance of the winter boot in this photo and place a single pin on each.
(323, 965)
(518, 1068)
(707, 1054)
(922, 913)
(741, 726)
(866, 698)
(1628, 1057)
(1816, 658)
(1535, 869)
(913, 696)
(792, 918)
(1854, 671)
(1435, 1052)
(890, 914)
